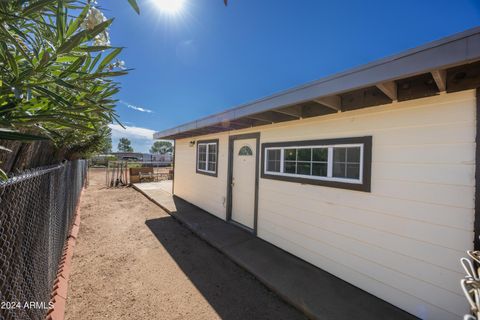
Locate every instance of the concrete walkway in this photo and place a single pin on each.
(315, 292)
(165, 185)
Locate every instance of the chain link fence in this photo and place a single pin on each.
(36, 212)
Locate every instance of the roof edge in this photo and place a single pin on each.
(448, 51)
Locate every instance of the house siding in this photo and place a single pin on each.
(206, 192)
(403, 240)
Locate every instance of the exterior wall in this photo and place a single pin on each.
(401, 242)
(206, 192)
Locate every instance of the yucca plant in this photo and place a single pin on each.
(56, 71)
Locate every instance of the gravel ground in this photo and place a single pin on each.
(133, 261)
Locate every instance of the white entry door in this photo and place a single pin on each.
(243, 182)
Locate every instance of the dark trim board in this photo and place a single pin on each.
(196, 157)
(231, 139)
(173, 164)
(476, 223)
(367, 163)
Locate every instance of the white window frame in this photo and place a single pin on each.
(329, 176)
(207, 159)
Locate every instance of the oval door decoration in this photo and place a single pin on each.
(245, 151)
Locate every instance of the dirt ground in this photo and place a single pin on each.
(133, 261)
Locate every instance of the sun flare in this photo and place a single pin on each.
(169, 6)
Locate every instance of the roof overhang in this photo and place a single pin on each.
(447, 65)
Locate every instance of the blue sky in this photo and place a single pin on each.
(210, 57)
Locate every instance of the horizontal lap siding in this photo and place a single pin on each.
(402, 241)
(204, 191)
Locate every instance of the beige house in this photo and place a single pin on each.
(369, 174)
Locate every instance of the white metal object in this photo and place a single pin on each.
(475, 255)
(469, 269)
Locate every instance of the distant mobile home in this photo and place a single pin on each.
(144, 157)
(369, 174)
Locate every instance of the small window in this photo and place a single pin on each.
(245, 151)
(207, 154)
(320, 162)
(202, 156)
(343, 163)
(346, 162)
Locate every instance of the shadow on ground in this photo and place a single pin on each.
(230, 290)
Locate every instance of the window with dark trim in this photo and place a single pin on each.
(245, 151)
(340, 163)
(207, 157)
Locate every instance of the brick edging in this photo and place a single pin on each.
(60, 285)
